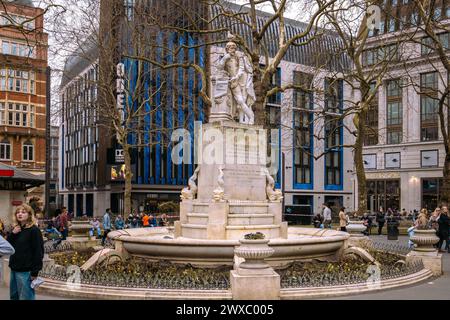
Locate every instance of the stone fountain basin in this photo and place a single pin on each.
(155, 244)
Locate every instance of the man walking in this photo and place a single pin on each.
(327, 219)
(64, 224)
(106, 225)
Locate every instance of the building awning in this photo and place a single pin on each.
(12, 178)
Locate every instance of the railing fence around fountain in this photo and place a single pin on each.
(315, 280)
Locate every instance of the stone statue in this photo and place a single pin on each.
(219, 193)
(241, 93)
(272, 194)
(191, 192)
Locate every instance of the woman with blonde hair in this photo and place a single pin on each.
(26, 263)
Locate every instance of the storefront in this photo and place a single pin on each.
(431, 193)
(383, 193)
(14, 184)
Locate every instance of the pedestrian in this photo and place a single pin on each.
(145, 221)
(343, 220)
(164, 221)
(317, 221)
(2, 228)
(53, 234)
(327, 216)
(368, 224)
(119, 223)
(106, 225)
(140, 220)
(433, 221)
(26, 262)
(64, 224)
(381, 220)
(95, 224)
(152, 221)
(6, 249)
(443, 233)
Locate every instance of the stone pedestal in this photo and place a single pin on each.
(231, 193)
(82, 244)
(253, 278)
(255, 286)
(431, 260)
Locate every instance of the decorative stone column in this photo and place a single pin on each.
(357, 238)
(254, 279)
(424, 241)
(80, 239)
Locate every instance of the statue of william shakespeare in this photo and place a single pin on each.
(241, 93)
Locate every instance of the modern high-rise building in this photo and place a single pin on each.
(91, 161)
(23, 89)
(404, 153)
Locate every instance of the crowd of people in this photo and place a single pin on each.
(438, 220)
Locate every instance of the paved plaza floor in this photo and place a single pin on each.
(433, 289)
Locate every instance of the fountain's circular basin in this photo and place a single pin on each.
(157, 244)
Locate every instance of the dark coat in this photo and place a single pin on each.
(444, 226)
(29, 247)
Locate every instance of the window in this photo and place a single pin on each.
(9, 19)
(17, 49)
(383, 193)
(303, 120)
(376, 55)
(394, 112)
(129, 8)
(429, 106)
(431, 193)
(28, 151)
(17, 80)
(20, 115)
(5, 150)
(333, 133)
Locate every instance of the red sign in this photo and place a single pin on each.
(17, 203)
(6, 173)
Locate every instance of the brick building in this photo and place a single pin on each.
(23, 90)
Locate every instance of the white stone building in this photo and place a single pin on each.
(404, 160)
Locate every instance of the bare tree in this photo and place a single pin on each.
(370, 66)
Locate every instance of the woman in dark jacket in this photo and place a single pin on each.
(26, 263)
(443, 232)
(380, 221)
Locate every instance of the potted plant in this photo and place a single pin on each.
(254, 249)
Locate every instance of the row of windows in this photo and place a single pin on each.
(401, 20)
(376, 55)
(8, 19)
(17, 49)
(429, 105)
(6, 151)
(17, 114)
(17, 80)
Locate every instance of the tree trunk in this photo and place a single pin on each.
(359, 162)
(445, 192)
(259, 106)
(128, 180)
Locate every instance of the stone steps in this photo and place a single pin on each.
(201, 207)
(249, 208)
(198, 218)
(250, 219)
